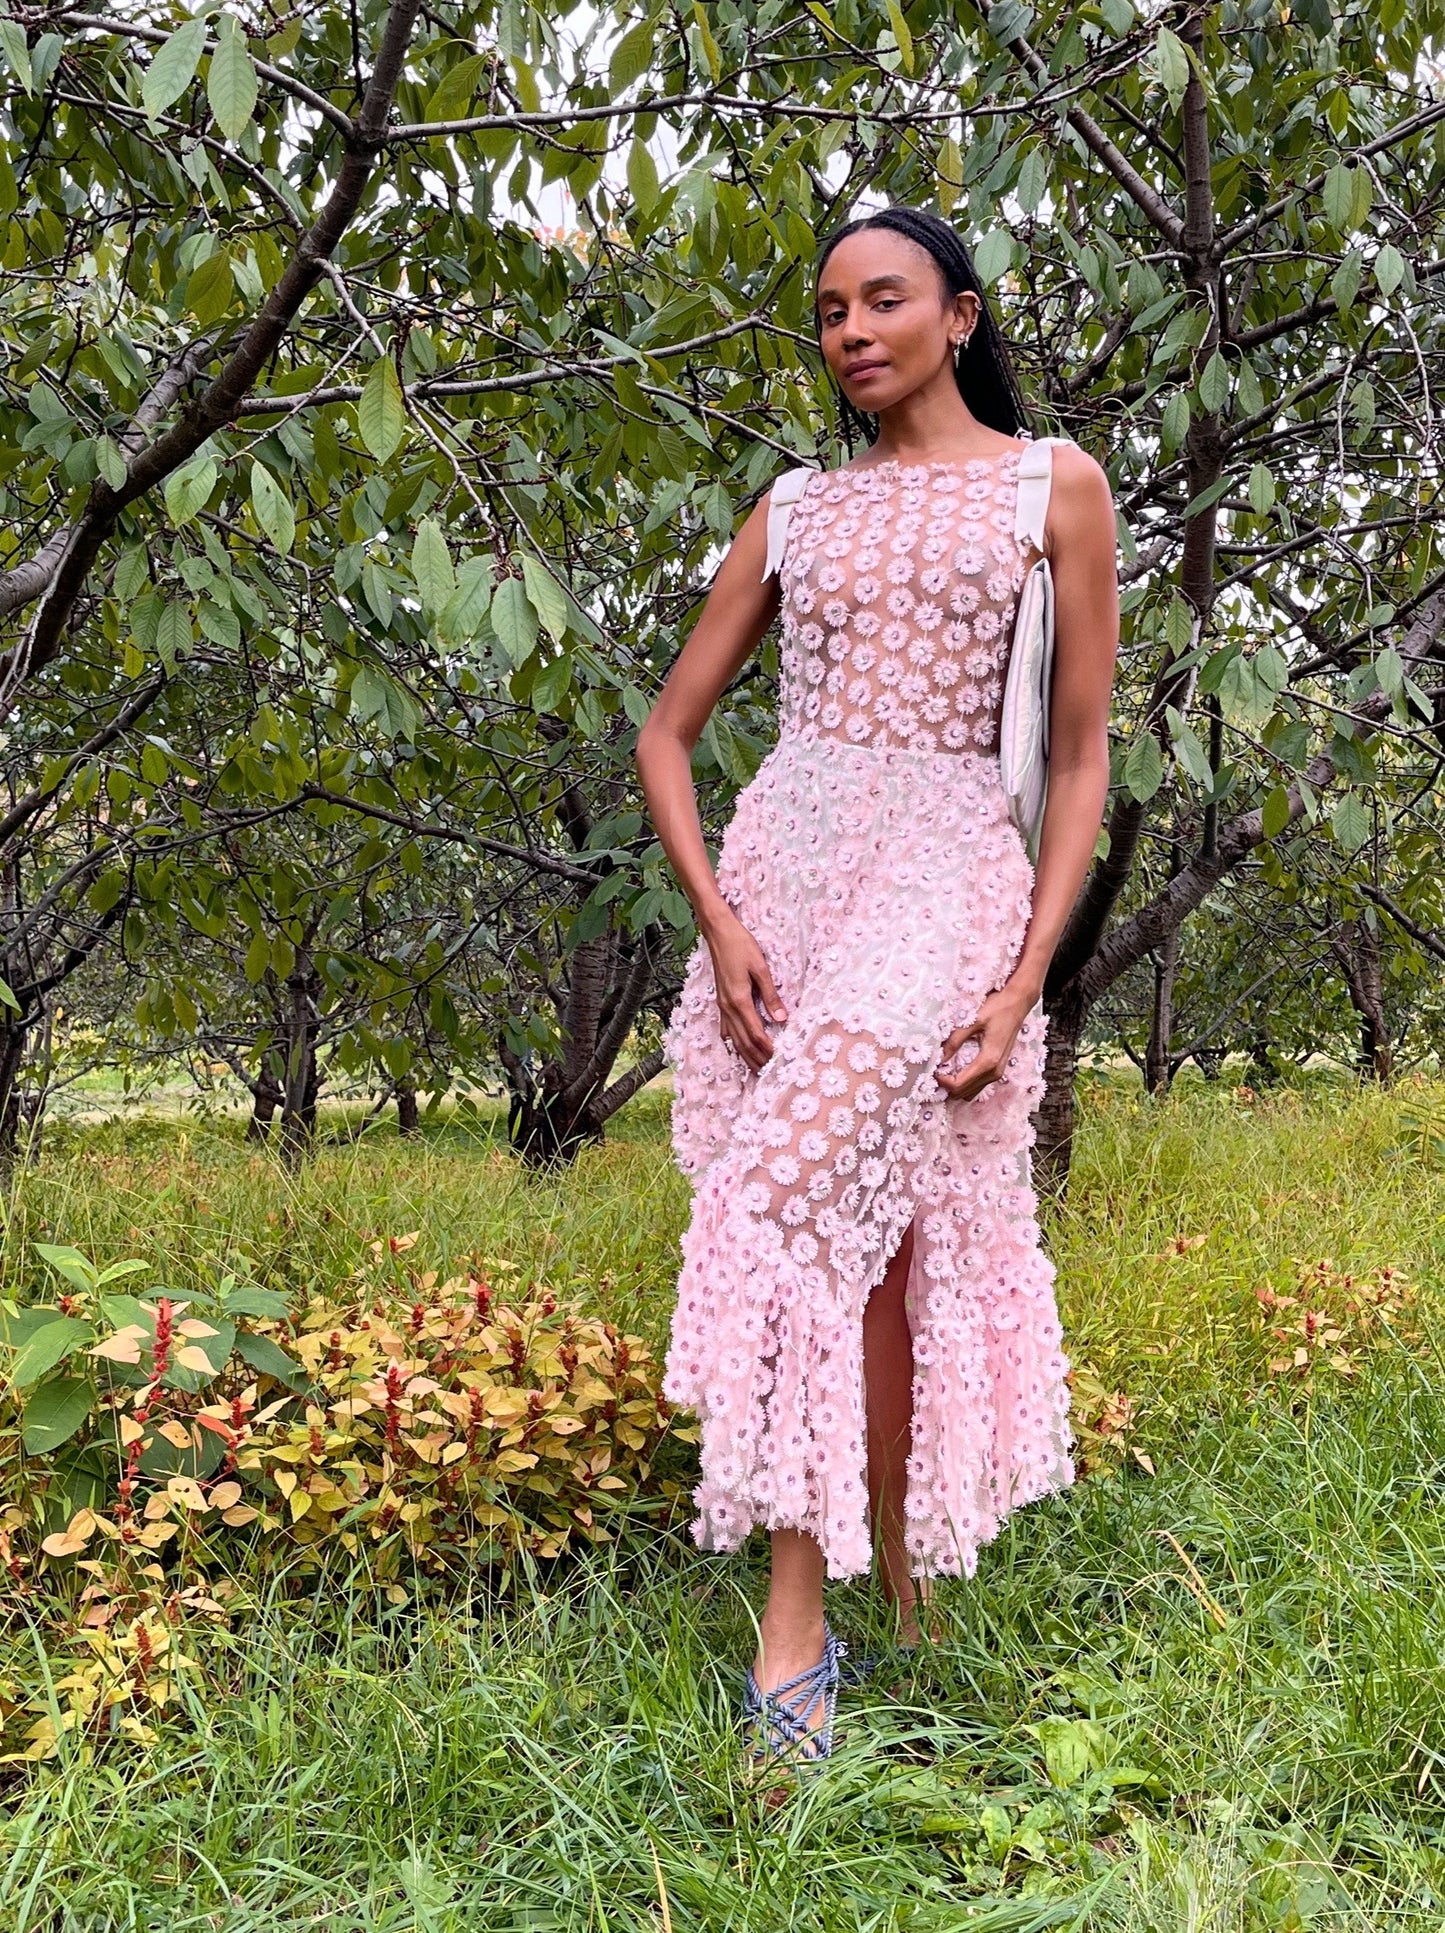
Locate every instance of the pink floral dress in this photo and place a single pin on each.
(873, 858)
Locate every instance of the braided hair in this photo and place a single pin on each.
(983, 369)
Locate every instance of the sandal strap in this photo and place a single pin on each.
(785, 1712)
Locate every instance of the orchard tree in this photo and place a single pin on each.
(304, 395)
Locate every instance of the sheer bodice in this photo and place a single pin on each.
(899, 585)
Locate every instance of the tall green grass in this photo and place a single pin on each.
(1213, 1699)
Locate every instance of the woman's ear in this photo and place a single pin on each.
(966, 309)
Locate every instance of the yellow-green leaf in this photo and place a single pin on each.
(546, 595)
(431, 564)
(173, 67)
(711, 52)
(231, 86)
(642, 177)
(901, 35)
(381, 412)
(272, 508)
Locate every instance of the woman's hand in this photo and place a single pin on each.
(743, 979)
(995, 1029)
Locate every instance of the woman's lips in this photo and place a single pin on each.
(861, 371)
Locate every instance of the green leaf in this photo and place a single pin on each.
(548, 599)
(1389, 269)
(552, 684)
(1274, 815)
(514, 620)
(1174, 422)
(1214, 384)
(7, 997)
(1188, 750)
(1345, 282)
(950, 175)
(466, 608)
(258, 959)
(1261, 489)
(1144, 767)
(710, 51)
(47, 1347)
(248, 1300)
(173, 67)
(1172, 59)
(901, 35)
(174, 633)
(272, 508)
(188, 489)
(210, 290)
(1350, 823)
(17, 52)
(452, 95)
(1179, 625)
(110, 462)
(642, 182)
(431, 565)
(269, 1359)
(631, 57)
(1390, 671)
(994, 254)
(69, 1263)
(1339, 195)
(381, 412)
(55, 1412)
(231, 86)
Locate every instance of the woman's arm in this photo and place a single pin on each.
(1082, 545)
(739, 608)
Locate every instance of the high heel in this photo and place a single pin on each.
(780, 1720)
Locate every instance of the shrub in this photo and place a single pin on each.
(420, 1421)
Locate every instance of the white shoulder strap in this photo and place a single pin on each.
(785, 493)
(1036, 474)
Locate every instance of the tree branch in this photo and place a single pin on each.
(219, 404)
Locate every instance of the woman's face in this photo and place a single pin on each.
(886, 323)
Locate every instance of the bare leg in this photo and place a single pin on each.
(792, 1622)
(888, 1376)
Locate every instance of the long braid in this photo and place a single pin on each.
(984, 370)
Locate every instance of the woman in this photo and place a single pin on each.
(865, 1322)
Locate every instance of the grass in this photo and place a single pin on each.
(1213, 1699)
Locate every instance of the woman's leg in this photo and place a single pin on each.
(791, 1626)
(888, 1377)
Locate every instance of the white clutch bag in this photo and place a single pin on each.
(1023, 748)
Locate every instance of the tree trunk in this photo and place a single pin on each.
(1358, 952)
(303, 1080)
(1158, 1066)
(266, 1097)
(1262, 1058)
(1054, 1121)
(408, 1119)
(547, 1127)
(14, 1038)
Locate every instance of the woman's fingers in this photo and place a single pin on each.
(742, 1025)
(772, 999)
(973, 1080)
(986, 1065)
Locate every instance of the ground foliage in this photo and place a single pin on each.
(1206, 1696)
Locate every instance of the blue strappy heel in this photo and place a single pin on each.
(781, 1720)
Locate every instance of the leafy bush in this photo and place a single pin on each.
(427, 1421)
